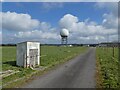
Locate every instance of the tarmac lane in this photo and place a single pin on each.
(78, 72)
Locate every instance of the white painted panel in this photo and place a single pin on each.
(21, 49)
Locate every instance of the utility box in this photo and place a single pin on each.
(28, 54)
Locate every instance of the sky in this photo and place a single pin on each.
(87, 22)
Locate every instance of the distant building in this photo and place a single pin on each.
(109, 44)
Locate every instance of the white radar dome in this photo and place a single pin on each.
(64, 32)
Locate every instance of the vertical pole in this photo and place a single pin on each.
(113, 51)
(107, 42)
(61, 40)
(66, 40)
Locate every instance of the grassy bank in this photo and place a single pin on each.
(107, 67)
(50, 56)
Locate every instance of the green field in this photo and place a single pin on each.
(51, 56)
(107, 63)
(108, 67)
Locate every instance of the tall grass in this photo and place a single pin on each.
(108, 64)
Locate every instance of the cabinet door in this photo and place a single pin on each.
(33, 53)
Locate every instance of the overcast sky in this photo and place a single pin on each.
(41, 21)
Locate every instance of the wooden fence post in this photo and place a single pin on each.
(113, 51)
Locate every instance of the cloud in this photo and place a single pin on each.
(110, 6)
(110, 21)
(61, 0)
(18, 22)
(21, 27)
(68, 20)
(50, 36)
(44, 26)
(52, 5)
(1, 0)
(36, 34)
(88, 30)
(17, 27)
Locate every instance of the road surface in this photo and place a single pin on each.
(79, 72)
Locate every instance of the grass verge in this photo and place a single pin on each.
(107, 73)
(53, 56)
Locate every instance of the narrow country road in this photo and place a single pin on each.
(79, 72)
